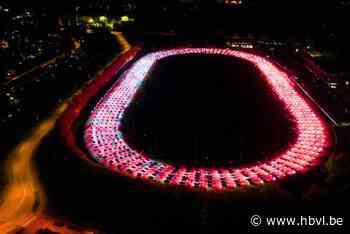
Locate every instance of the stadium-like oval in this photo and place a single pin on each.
(105, 142)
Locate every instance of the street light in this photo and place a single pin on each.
(124, 18)
(103, 18)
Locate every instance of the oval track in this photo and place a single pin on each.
(106, 144)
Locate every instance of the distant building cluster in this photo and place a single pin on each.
(26, 39)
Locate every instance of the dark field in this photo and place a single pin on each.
(207, 110)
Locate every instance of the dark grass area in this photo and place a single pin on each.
(207, 110)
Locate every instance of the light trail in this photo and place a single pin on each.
(122, 40)
(106, 143)
(23, 199)
(38, 67)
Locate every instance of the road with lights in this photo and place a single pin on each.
(23, 197)
(38, 68)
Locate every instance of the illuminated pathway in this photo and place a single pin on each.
(106, 143)
(23, 199)
(122, 40)
(23, 196)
